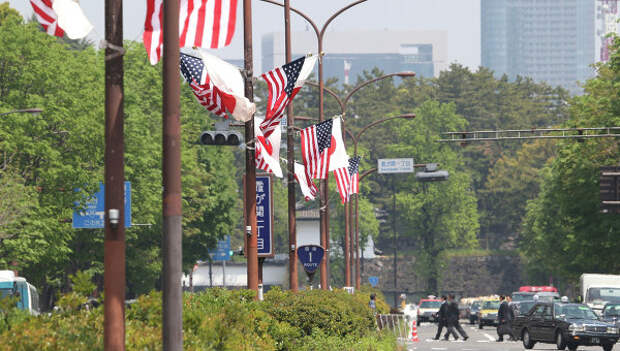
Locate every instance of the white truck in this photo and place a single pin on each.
(599, 289)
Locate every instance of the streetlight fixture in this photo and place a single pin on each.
(32, 111)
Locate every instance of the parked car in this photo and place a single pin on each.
(488, 313)
(427, 310)
(611, 313)
(474, 308)
(568, 325)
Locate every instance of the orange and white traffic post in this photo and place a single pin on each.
(414, 331)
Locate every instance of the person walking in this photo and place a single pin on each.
(453, 320)
(373, 303)
(505, 315)
(442, 317)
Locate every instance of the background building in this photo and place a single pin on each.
(348, 54)
(548, 40)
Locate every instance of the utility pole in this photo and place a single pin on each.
(394, 241)
(250, 162)
(290, 156)
(114, 244)
(171, 171)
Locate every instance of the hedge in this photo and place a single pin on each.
(215, 319)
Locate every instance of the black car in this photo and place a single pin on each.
(566, 325)
(611, 313)
(473, 312)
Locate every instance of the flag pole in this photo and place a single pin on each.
(250, 161)
(172, 326)
(114, 181)
(290, 156)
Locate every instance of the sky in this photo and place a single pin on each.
(459, 18)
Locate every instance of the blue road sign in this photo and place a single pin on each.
(310, 257)
(92, 216)
(222, 251)
(264, 216)
(373, 281)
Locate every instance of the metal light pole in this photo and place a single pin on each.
(348, 237)
(290, 156)
(172, 327)
(114, 178)
(250, 162)
(323, 195)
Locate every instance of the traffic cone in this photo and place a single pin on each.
(414, 331)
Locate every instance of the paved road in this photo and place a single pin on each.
(479, 340)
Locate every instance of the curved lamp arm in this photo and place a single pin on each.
(405, 116)
(308, 19)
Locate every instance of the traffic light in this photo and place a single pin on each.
(431, 174)
(221, 137)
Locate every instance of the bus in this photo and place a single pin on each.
(12, 285)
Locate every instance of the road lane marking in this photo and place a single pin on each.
(489, 337)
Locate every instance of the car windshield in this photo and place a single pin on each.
(612, 311)
(430, 304)
(475, 305)
(525, 306)
(490, 305)
(604, 294)
(574, 312)
(5, 292)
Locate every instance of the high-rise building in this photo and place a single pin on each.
(348, 54)
(550, 41)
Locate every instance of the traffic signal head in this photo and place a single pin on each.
(432, 174)
(221, 137)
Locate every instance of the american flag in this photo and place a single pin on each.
(343, 181)
(354, 172)
(315, 143)
(267, 150)
(47, 16)
(202, 23)
(308, 188)
(208, 95)
(284, 83)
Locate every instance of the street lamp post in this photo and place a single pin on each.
(348, 237)
(323, 203)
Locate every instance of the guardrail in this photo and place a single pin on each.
(398, 324)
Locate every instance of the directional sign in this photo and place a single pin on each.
(222, 251)
(609, 183)
(395, 165)
(310, 257)
(264, 215)
(373, 281)
(93, 213)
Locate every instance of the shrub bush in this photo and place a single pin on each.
(215, 319)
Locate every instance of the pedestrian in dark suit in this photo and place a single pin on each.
(442, 317)
(505, 315)
(453, 320)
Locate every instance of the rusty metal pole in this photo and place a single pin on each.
(172, 293)
(250, 162)
(347, 247)
(290, 156)
(358, 272)
(323, 191)
(114, 179)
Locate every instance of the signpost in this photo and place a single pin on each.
(395, 165)
(264, 215)
(92, 216)
(310, 257)
(222, 250)
(610, 189)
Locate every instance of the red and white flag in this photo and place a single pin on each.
(338, 157)
(58, 17)
(284, 83)
(354, 172)
(343, 181)
(267, 150)
(308, 188)
(315, 147)
(202, 23)
(217, 85)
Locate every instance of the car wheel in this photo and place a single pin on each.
(572, 347)
(559, 340)
(479, 325)
(528, 343)
(608, 347)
